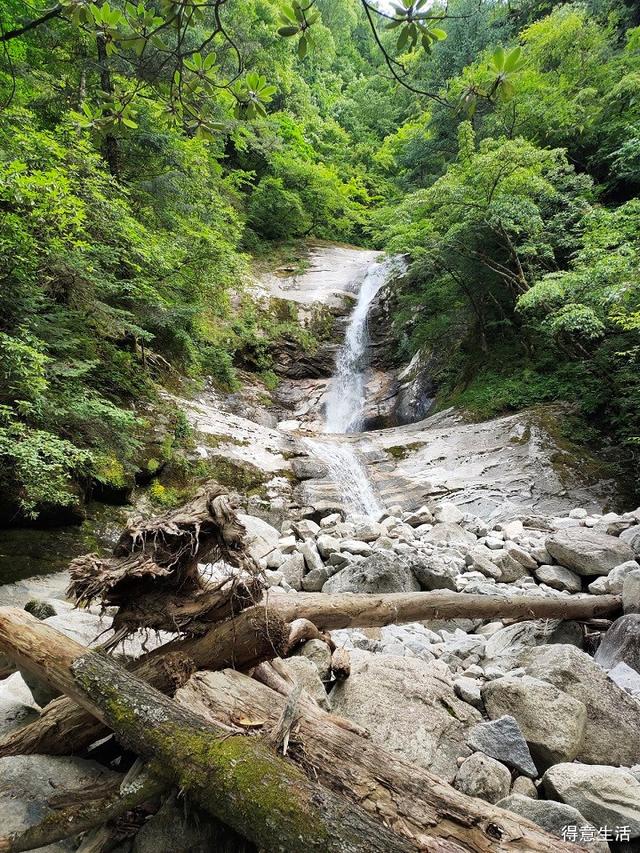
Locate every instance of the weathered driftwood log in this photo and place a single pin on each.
(329, 612)
(260, 633)
(414, 803)
(82, 816)
(236, 778)
(64, 727)
(152, 575)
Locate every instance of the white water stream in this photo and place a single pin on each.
(346, 402)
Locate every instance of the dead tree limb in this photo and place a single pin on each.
(234, 777)
(80, 817)
(331, 611)
(413, 802)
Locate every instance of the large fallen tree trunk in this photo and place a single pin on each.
(236, 778)
(64, 727)
(260, 633)
(412, 801)
(329, 612)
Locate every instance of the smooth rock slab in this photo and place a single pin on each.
(483, 777)
(408, 707)
(612, 729)
(552, 722)
(621, 643)
(557, 577)
(606, 796)
(553, 817)
(588, 552)
(503, 740)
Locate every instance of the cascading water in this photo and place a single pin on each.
(346, 401)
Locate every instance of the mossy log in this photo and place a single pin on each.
(235, 777)
(64, 727)
(414, 803)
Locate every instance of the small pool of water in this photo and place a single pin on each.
(25, 552)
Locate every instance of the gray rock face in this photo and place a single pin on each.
(315, 580)
(621, 643)
(378, 573)
(408, 707)
(557, 577)
(588, 552)
(605, 796)
(612, 729)
(483, 777)
(510, 570)
(626, 678)
(551, 816)
(26, 785)
(551, 721)
(312, 559)
(502, 739)
(318, 653)
(468, 689)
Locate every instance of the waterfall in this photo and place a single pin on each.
(345, 405)
(346, 401)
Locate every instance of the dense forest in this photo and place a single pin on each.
(151, 153)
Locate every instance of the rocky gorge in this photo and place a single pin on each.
(537, 716)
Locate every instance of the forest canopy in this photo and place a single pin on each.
(144, 149)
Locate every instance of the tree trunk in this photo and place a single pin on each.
(235, 777)
(413, 802)
(331, 611)
(64, 727)
(260, 633)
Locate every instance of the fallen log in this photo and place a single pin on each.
(237, 778)
(413, 802)
(261, 633)
(331, 611)
(64, 727)
(81, 817)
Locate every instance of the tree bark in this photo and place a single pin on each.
(331, 611)
(234, 777)
(64, 727)
(431, 814)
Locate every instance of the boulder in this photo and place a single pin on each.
(315, 580)
(180, 829)
(319, 653)
(327, 545)
(553, 817)
(261, 538)
(368, 531)
(557, 577)
(510, 570)
(381, 572)
(447, 513)
(631, 592)
(621, 643)
(468, 689)
(588, 552)
(631, 537)
(449, 534)
(354, 546)
(17, 705)
(502, 739)
(419, 517)
(293, 570)
(436, 571)
(304, 672)
(604, 795)
(551, 721)
(305, 529)
(612, 728)
(616, 576)
(312, 558)
(525, 787)
(520, 555)
(28, 781)
(626, 678)
(483, 777)
(409, 707)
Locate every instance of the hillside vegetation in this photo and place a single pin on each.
(150, 152)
